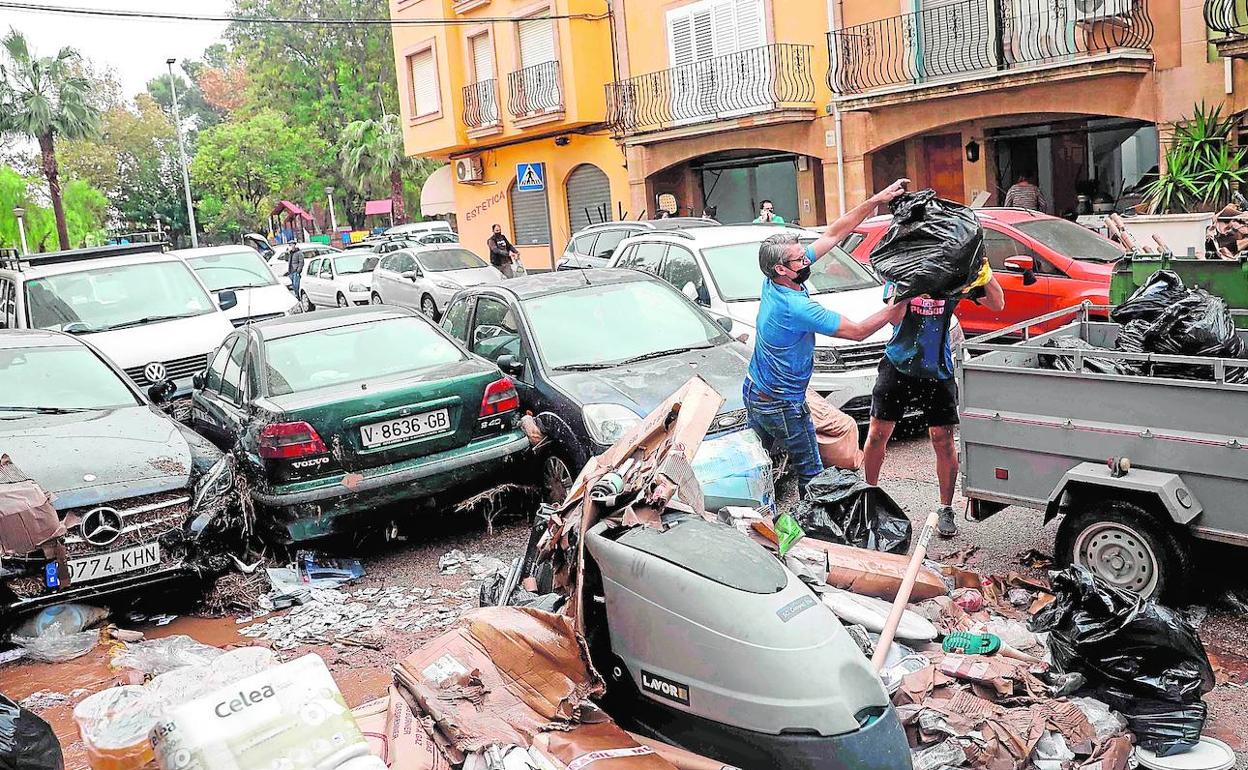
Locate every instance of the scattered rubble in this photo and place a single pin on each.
(43, 700)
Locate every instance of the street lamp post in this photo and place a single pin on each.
(20, 213)
(186, 176)
(333, 220)
(159, 233)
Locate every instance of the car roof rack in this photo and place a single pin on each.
(82, 255)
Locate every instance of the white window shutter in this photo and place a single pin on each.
(751, 26)
(537, 41)
(680, 38)
(424, 74)
(706, 24)
(482, 58)
(724, 28)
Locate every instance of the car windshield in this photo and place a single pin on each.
(358, 352)
(1071, 240)
(450, 259)
(56, 378)
(735, 272)
(355, 263)
(240, 270)
(599, 326)
(115, 297)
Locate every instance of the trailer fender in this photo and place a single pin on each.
(1167, 488)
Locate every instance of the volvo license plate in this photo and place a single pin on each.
(107, 565)
(404, 428)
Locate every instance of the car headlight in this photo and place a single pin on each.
(358, 287)
(607, 423)
(827, 360)
(214, 493)
(446, 285)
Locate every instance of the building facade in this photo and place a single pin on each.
(712, 106)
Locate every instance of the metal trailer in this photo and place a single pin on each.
(1138, 466)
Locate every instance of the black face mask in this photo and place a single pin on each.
(802, 276)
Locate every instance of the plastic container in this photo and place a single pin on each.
(114, 726)
(1207, 754)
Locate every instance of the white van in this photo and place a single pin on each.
(241, 270)
(420, 228)
(144, 309)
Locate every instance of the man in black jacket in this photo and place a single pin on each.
(502, 253)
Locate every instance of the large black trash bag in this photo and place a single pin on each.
(1199, 324)
(842, 508)
(1146, 303)
(933, 246)
(1091, 363)
(1162, 727)
(26, 741)
(1116, 639)
(1131, 336)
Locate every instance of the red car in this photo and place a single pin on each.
(1043, 263)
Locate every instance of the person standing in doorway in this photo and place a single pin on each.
(294, 268)
(1025, 195)
(767, 214)
(784, 344)
(502, 254)
(916, 376)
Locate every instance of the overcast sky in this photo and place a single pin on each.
(136, 49)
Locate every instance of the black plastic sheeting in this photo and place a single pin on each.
(842, 508)
(26, 741)
(933, 246)
(1147, 655)
(1091, 363)
(1146, 303)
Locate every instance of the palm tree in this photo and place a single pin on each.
(43, 98)
(372, 153)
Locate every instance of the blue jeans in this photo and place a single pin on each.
(785, 425)
(294, 283)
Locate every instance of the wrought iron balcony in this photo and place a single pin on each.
(981, 36)
(1229, 17)
(481, 104)
(763, 79)
(535, 90)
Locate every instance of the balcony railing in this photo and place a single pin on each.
(980, 36)
(535, 90)
(481, 104)
(1227, 16)
(762, 79)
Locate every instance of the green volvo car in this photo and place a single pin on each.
(337, 415)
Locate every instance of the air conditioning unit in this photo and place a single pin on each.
(1102, 10)
(469, 170)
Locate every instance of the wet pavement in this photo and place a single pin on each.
(362, 673)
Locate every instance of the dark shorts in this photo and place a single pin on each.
(896, 395)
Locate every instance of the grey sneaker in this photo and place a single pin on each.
(946, 525)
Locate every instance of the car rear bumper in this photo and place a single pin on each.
(312, 511)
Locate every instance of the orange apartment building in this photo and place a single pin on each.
(711, 106)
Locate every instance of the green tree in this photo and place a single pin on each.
(86, 211)
(373, 157)
(43, 98)
(246, 164)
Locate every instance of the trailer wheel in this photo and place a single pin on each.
(1126, 546)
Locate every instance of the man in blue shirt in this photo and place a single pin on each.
(916, 374)
(784, 343)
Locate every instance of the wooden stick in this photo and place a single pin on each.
(903, 593)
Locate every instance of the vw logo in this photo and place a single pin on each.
(154, 372)
(101, 526)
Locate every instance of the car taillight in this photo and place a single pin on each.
(288, 440)
(500, 396)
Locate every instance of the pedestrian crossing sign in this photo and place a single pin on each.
(530, 177)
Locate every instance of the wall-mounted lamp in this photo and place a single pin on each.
(562, 141)
(972, 151)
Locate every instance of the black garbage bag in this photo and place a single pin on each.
(1116, 639)
(1131, 336)
(1091, 363)
(1162, 727)
(842, 508)
(1146, 303)
(1199, 324)
(26, 741)
(933, 246)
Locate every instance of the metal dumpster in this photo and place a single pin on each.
(1225, 278)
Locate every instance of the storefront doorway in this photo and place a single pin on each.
(735, 187)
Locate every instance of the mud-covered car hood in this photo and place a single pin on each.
(644, 385)
(86, 458)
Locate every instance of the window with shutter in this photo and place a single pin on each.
(424, 74)
(712, 28)
(537, 41)
(482, 57)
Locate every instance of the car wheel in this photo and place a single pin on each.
(1126, 546)
(306, 303)
(557, 478)
(376, 299)
(429, 307)
(342, 300)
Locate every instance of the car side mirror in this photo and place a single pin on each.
(197, 381)
(509, 365)
(410, 275)
(1024, 265)
(162, 391)
(724, 322)
(227, 299)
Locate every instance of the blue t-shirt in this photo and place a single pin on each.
(920, 344)
(784, 345)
